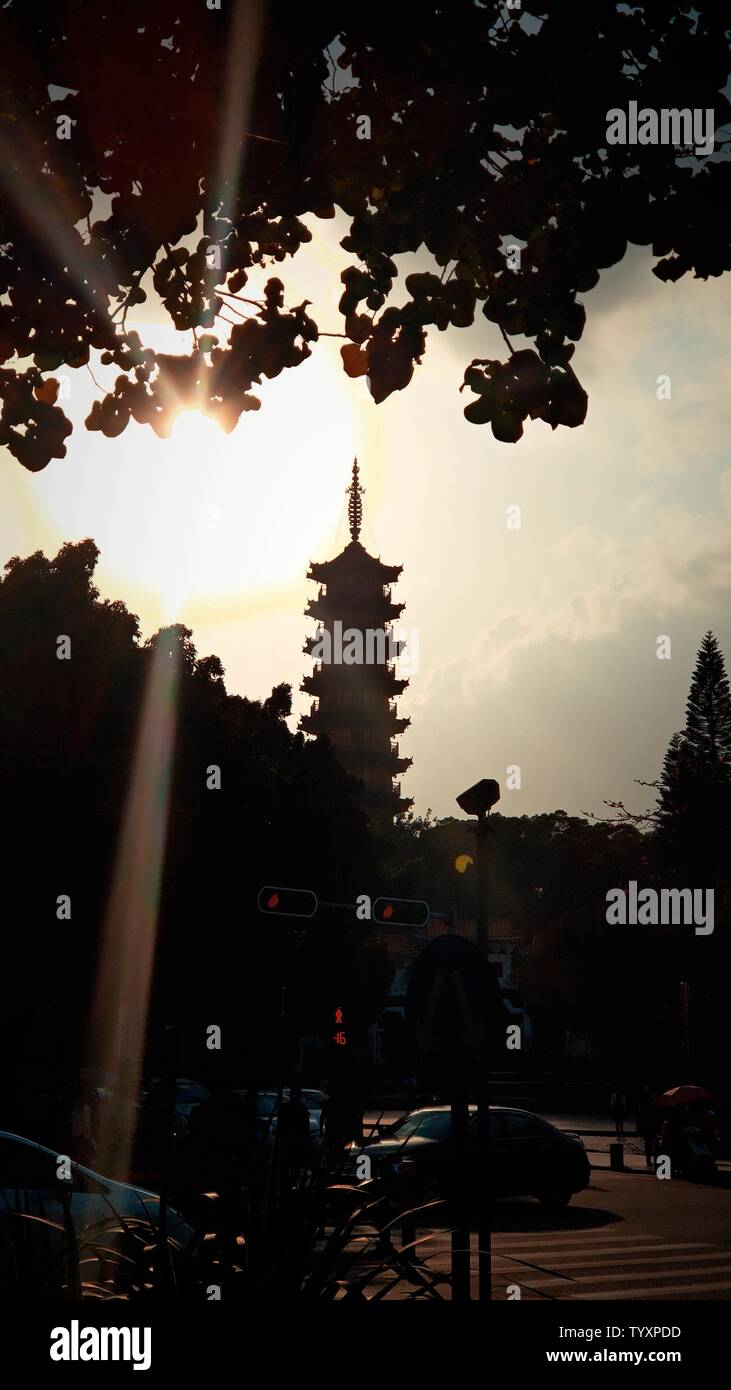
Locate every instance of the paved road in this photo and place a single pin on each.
(629, 1236)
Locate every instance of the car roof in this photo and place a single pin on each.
(81, 1167)
(515, 1110)
(433, 1110)
(494, 1109)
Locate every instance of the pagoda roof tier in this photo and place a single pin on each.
(354, 610)
(326, 680)
(394, 646)
(321, 722)
(395, 803)
(386, 760)
(321, 719)
(354, 560)
(385, 804)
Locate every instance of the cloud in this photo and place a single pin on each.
(600, 583)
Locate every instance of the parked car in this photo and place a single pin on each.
(527, 1156)
(31, 1187)
(188, 1094)
(267, 1103)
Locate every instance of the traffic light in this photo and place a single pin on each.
(400, 912)
(287, 902)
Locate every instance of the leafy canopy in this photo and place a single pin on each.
(201, 135)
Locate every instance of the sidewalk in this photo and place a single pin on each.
(597, 1148)
(597, 1137)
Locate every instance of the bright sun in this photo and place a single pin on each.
(204, 526)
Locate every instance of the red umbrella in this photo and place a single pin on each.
(682, 1095)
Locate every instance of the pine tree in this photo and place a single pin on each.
(708, 712)
(694, 792)
(675, 781)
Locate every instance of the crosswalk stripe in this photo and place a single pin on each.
(541, 1283)
(581, 1241)
(648, 1259)
(542, 1251)
(611, 1263)
(653, 1292)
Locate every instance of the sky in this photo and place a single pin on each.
(537, 647)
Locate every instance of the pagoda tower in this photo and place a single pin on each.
(354, 700)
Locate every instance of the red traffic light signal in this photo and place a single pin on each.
(287, 902)
(400, 912)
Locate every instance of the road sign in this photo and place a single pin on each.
(400, 912)
(287, 902)
(455, 1012)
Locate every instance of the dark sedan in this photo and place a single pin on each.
(527, 1156)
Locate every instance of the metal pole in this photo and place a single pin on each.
(684, 1034)
(460, 1188)
(484, 1257)
(481, 856)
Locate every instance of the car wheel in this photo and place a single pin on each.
(559, 1194)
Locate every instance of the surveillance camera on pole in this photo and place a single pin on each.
(480, 799)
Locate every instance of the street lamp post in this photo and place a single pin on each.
(478, 801)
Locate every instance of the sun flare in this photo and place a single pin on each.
(208, 527)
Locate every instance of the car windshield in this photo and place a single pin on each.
(424, 1124)
(190, 1092)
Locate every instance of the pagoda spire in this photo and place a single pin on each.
(355, 506)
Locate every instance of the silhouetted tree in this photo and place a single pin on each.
(690, 847)
(675, 792)
(285, 814)
(694, 801)
(708, 713)
(175, 150)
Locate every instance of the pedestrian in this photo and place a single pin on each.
(292, 1137)
(618, 1110)
(671, 1143)
(647, 1123)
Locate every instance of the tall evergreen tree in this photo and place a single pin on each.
(708, 712)
(694, 793)
(674, 786)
